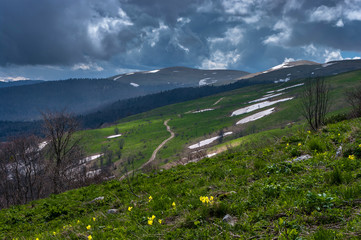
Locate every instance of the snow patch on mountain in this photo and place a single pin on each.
(256, 116)
(260, 105)
(208, 141)
(268, 96)
(134, 84)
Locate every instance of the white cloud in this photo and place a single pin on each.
(221, 60)
(353, 15)
(282, 36)
(152, 35)
(293, 4)
(287, 60)
(183, 48)
(13, 79)
(334, 55)
(183, 20)
(87, 66)
(237, 6)
(326, 14)
(101, 26)
(310, 50)
(340, 23)
(233, 36)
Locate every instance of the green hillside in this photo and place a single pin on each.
(266, 192)
(142, 133)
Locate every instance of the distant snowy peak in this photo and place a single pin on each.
(292, 64)
(153, 71)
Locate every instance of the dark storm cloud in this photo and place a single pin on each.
(241, 34)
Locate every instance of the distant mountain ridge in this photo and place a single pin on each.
(24, 103)
(19, 83)
(303, 69)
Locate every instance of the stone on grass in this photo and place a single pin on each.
(229, 219)
(112, 211)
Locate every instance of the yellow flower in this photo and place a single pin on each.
(160, 221)
(308, 132)
(150, 221)
(36, 238)
(90, 237)
(130, 209)
(352, 157)
(299, 144)
(359, 145)
(78, 222)
(153, 217)
(173, 204)
(339, 134)
(88, 227)
(94, 219)
(288, 144)
(54, 233)
(150, 198)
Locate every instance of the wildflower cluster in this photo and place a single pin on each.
(130, 209)
(150, 198)
(206, 200)
(352, 157)
(151, 219)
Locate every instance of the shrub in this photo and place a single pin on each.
(317, 145)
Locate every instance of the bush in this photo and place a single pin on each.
(317, 145)
(336, 118)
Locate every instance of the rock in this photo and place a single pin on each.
(97, 199)
(339, 151)
(301, 158)
(229, 219)
(112, 211)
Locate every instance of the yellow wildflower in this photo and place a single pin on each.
(130, 209)
(88, 227)
(352, 157)
(359, 145)
(150, 220)
(299, 144)
(173, 204)
(160, 221)
(54, 233)
(36, 238)
(90, 237)
(78, 222)
(308, 132)
(338, 134)
(94, 219)
(150, 198)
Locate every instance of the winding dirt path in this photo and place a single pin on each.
(151, 159)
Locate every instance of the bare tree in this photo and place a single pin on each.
(315, 101)
(354, 99)
(64, 150)
(21, 171)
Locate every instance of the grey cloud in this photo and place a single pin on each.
(139, 34)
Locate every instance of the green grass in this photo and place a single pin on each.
(144, 132)
(267, 193)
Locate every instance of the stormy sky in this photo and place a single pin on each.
(59, 39)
